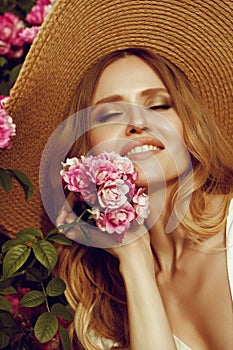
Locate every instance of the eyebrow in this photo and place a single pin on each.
(145, 93)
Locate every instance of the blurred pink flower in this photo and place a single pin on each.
(3, 100)
(16, 52)
(7, 129)
(29, 34)
(15, 299)
(10, 28)
(38, 12)
(4, 47)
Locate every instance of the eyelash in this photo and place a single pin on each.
(163, 107)
(108, 116)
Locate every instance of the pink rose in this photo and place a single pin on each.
(5, 47)
(90, 194)
(112, 194)
(15, 298)
(117, 220)
(10, 28)
(97, 215)
(100, 171)
(125, 166)
(38, 12)
(43, 2)
(76, 178)
(3, 100)
(47, 9)
(7, 129)
(141, 205)
(16, 52)
(29, 34)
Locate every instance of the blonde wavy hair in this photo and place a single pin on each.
(95, 290)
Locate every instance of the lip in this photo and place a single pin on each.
(140, 141)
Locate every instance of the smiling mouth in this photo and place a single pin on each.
(142, 149)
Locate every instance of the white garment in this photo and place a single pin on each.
(106, 344)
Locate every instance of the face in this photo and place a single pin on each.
(132, 115)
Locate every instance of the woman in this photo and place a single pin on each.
(156, 289)
(179, 284)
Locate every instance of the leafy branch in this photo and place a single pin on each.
(31, 256)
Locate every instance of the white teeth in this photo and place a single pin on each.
(143, 148)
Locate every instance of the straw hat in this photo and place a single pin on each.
(196, 35)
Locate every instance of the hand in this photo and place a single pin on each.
(136, 257)
(98, 238)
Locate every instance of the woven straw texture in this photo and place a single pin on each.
(196, 35)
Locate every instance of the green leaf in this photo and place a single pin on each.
(32, 231)
(4, 340)
(33, 298)
(14, 259)
(5, 304)
(45, 253)
(9, 244)
(26, 5)
(64, 337)
(25, 238)
(60, 238)
(46, 326)
(5, 180)
(5, 86)
(52, 232)
(8, 290)
(24, 182)
(55, 287)
(35, 275)
(14, 73)
(7, 322)
(60, 310)
(3, 61)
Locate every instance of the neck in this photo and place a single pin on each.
(167, 237)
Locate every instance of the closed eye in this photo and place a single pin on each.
(160, 107)
(108, 117)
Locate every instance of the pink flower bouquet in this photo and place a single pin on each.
(106, 192)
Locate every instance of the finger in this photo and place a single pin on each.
(71, 217)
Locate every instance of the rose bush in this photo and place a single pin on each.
(33, 313)
(38, 12)
(10, 40)
(19, 24)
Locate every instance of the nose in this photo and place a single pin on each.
(137, 120)
(133, 129)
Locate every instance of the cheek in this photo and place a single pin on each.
(104, 138)
(177, 125)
